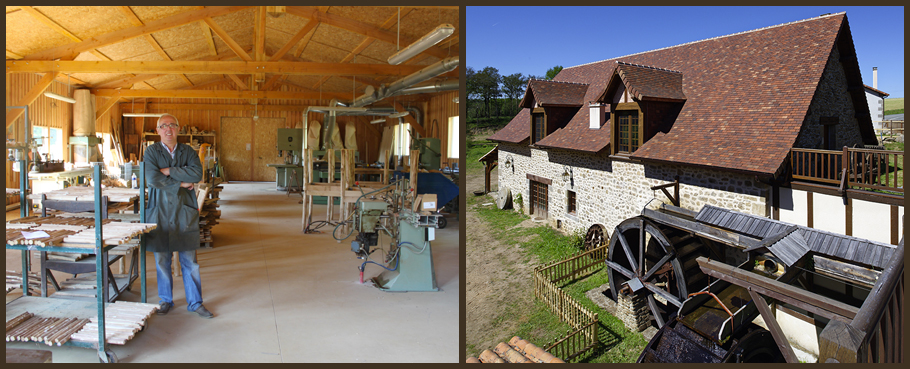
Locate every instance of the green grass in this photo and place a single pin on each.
(895, 111)
(894, 104)
(536, 323)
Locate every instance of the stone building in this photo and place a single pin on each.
(718, 115)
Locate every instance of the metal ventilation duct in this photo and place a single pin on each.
(396, 88)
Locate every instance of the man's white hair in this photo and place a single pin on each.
(166, 115)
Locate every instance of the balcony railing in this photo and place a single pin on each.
(869, 169)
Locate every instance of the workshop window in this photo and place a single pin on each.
(538, 127)
(454, 141)
(627, 133)
(402, 139)
(50, 140)
(570, 199)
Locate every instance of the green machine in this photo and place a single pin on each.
(409, 262)
(430, 155)
(289, 174)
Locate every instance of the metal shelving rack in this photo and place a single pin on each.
(73, 308)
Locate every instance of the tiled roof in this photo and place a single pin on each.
(553, 93)
(880, 92)
(647, 82)
(747, 96)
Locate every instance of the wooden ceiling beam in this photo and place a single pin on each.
(30, 97)
(227, 39)
(259, 33)
(273, 81)
(151, 40)
(293, 41)
(217, 94)
(362, 28)
(306, 39)
(207, 35)
(104, 108)
(235, 107)
(389, 22)
(238, 82)
(145, 77)
(208, 67)
(70, 51)
(12, 55)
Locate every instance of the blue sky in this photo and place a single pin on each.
(530, 40)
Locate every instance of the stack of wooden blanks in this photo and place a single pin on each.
(14, 281)
(114, 233)
(516, 351)
(50, 330)
(12, 198)
(80, 193)
(122, 320)
(209, 215)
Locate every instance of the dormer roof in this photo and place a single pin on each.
(646, 83)
(553, 93)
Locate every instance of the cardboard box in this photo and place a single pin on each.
(428, 202)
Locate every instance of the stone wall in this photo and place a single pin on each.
(610, 191)
(831, 100)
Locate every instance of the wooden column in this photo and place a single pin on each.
(415, 162)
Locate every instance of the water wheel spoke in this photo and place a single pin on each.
(625, 247)
(641, 244)
(666, 295)
(655, 311)
(658, 265)
(621, 269)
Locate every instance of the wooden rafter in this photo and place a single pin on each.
(151, 40)
(217, 94)
(273, 81)
(362, 28)
(145, 77)
(238, 82)
(29, 97)
(389, 22)
(306, 39)
(12, 55)
(241, 107)
(293, 41)
(50, 23)
(70, 51)
(207, 35)
(208, 67)
(107, 106)
(259, 33)
(227, 39)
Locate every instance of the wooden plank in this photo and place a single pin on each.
(713, 233)
(776, 332)
(210, 67)
(803, 299)
(70, 51)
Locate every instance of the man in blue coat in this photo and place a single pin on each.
(172, 169)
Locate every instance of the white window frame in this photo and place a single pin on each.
(401, 139)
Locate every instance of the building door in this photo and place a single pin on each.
(247, 147)
(538, 194)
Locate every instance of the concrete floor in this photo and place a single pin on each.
(281, 296)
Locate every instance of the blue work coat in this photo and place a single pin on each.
(172, 207)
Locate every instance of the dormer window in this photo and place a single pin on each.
(628, 136)
(538, 126)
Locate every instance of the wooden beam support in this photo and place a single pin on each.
(227, 39)
(410, 120)
(776, 332)
(293, 41)
(104, 108)
(273, 81)
(12, 55)
(208, 67)
(70, 51)
(217, 94)
(30, 97)
(145, 77)
(243, 86)
(803, 299)
(207, 35)
(259, 32)
(362, 28)
(234, 107)
(306, 39)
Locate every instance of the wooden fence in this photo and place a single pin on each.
(850, 168)
(875, 335)
(583, 336)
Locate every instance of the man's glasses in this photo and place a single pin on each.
(168, 125)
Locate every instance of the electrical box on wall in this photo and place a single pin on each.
(290, 139)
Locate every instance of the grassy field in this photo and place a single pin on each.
(894, 106)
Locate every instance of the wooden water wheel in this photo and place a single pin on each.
(648, 259)
(597, 236)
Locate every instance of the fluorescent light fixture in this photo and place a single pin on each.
(425, 42)
(399, 115)
(142, 115)
(375, 121)
(59, 97)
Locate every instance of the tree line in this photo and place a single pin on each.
(492, 95)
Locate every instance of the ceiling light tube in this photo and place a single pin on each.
(375, 121)
(434, 37)
(59, 97)
(142, 115)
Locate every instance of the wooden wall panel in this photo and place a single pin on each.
(439, 109)
(237, 133)
(265, 151)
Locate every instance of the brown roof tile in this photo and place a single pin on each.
(553, 93)
(646, 82)
(747, 96)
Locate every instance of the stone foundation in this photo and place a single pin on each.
(633, 311)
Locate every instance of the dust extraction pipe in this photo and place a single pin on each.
(443, 66)
(437, 87)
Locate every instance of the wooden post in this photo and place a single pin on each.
(385, 167)
(776, 332)
(488, 168)
(415, 162)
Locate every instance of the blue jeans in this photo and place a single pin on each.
(192, 282)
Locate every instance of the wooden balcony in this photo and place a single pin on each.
(867, 169)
